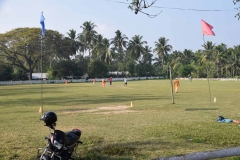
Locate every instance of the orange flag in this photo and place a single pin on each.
(207, 29)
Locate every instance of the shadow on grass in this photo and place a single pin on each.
(75, 101)
(33, 89)
(200, 109)
(96, 148)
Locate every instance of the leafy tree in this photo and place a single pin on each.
(130, 67)
(65, 68)
(101, 49)
(135, 47)
(6, 72)
(88, 35)
(162, 48)
(74, 43)
(21, 47)
(119, 43)
(97, 69)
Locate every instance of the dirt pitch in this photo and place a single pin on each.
(104, 110)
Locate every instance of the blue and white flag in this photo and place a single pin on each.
(42, 23)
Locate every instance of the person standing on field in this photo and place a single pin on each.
(103, 82)
(110, 80)
(94, 80)
(125, 81)
(176, 84)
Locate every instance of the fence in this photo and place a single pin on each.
(99, 80)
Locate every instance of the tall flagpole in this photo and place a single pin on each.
(42, 36)
(41, 74)
(203, 39)
(207, 77)
(170, 71)
(207, 30)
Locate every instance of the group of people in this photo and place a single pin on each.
(110, 81)
(176, 82)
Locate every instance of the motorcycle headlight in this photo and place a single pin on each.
(57, 144)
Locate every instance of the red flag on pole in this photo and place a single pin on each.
(207, 29)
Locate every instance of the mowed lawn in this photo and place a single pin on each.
(112, 129)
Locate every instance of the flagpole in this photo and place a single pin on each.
(170, 71)
(41, 73)
(209, 87)
(207, 30)
(207, 76)
(203, 39)
(42, 37)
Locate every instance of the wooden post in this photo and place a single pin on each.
(170, 71)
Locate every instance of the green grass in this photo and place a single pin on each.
(153, 128)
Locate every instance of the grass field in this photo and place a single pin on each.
(112, 129)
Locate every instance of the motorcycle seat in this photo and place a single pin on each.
(72, 137)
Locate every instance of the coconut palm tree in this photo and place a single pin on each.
(162, 48)
(135, 47)
(98, 46)
(75, 44)
(87, 35)
(119, 43)
(147, 57)
(220, 56)
(234, 60)
(101, 49)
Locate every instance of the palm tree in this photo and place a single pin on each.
(135, 47)
(119, 43)
(187, 56)
(208, 50)
(107, 53)
(101, 49)
(147, 57)
(220, 56)
(234, 60)
(87, 35)
(162, 48)
(74, 43)
(97, 45)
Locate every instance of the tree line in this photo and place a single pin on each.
(23, 51)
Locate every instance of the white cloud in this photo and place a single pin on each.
(6, 9)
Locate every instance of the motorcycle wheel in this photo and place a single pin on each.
(44, 157)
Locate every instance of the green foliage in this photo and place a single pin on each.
(65, 68)
(97, 69)
(19, 74)
(184, 71)
(6, 72)
(22, 48)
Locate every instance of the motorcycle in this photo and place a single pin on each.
(60, 145)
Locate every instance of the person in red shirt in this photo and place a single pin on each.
(110, 80)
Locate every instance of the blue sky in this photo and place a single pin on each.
(182, 28)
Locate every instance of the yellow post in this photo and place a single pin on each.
(40, 110)
(131, 104)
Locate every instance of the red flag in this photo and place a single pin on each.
(207, 29)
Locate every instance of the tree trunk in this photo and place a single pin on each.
(30, 75)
